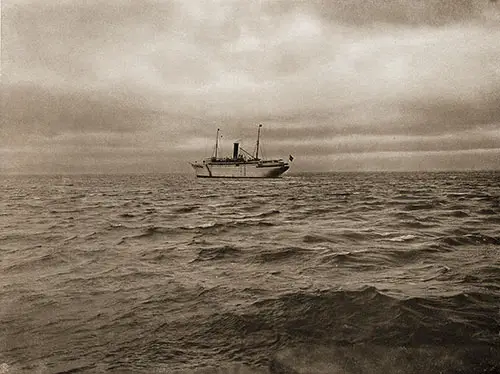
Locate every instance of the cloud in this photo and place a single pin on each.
(478, 159)
(42, 111)
(336, 77)
(403, 12)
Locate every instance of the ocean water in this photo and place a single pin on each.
(310, 273)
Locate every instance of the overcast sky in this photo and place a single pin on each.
(142, 86)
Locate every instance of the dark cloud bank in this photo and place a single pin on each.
(99, 86)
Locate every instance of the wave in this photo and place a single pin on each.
(341, 236)
(152, 231)
(218, 253)
(488, 212)
(362, 359)
(363, 327)
(187, 209)
(469, 239)
(422, 206)
(371, 316)
(315, 238)
(225, 226)
(378, 359)
(265, 214)
(37, 261)
(356, 259)
(493, 219)
(214, 227)
(413, 224)
(280, 254)
(127, 215)
(402, 238)
(403, 256)
(458, 214)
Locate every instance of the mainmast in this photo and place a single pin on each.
(258, 139)
(217, 143)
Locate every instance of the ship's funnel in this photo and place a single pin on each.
(235, 150)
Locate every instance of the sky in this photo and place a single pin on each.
(125, 86)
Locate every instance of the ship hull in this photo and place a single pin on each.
(240, 170)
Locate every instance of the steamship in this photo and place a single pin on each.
(241, 165)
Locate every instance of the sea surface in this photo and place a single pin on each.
(310, 273)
